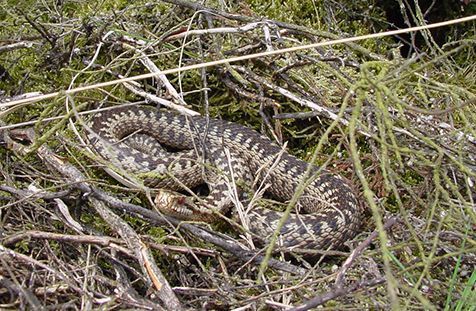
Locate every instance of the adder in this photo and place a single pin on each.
(174, 152)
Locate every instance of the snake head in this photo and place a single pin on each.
(174, 204)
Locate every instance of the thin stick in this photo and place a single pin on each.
(337, 292)
(358, 250)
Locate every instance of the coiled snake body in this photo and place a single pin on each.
(222, 154)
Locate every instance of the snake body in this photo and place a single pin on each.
(196, 150)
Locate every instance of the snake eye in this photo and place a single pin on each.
(181, 200)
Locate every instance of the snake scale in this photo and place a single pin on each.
(174, 152)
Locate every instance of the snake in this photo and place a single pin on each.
(167, 150)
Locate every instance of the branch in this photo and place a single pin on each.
(337, 292)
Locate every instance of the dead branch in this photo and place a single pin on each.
(34, 194)
(337, 292)
(33, 263)
(358, 251)
(16, 289)
(16, 45)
